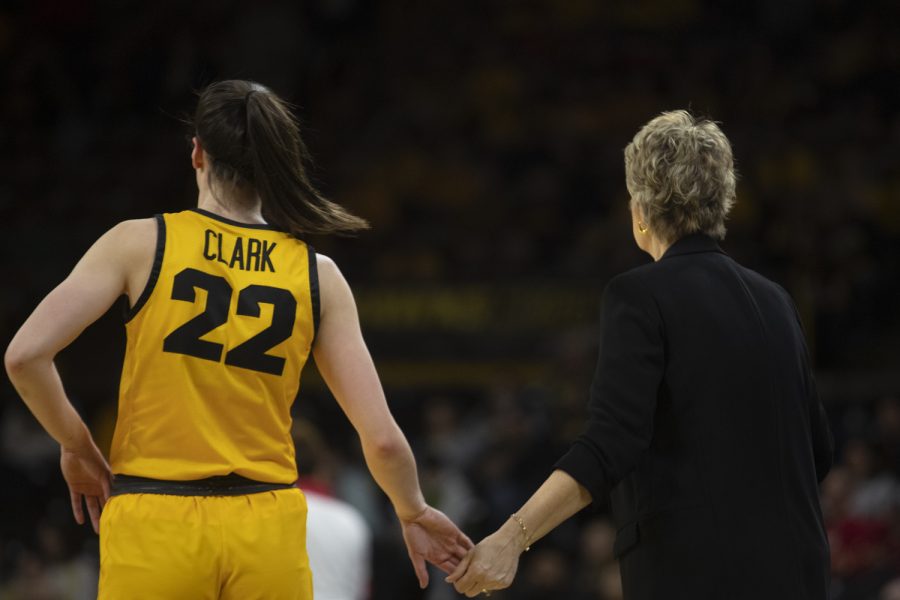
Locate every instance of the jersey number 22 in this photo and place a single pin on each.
(250, 354)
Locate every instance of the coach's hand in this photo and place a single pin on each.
(492, 564)
(87, 475)
(431, 536)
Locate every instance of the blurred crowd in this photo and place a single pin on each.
(484, 143)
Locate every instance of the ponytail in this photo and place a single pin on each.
(254, 145)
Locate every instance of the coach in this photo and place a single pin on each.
(705, 429)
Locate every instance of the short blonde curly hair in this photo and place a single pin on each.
(680, 172)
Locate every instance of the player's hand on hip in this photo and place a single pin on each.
(88, 476)
(432, 537)
(491, 565)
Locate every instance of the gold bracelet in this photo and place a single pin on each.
(521, 523)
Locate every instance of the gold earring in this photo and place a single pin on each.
(642, 228)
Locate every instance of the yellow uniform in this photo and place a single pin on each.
(215, 347)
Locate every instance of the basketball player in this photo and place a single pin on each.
(226, 303)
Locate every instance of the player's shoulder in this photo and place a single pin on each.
(328, 271)
(136, 233)
(325, 262)
(128, 234)
(129, 241)
(135, 228)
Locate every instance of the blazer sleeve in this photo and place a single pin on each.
(624, 391)
(820, 431)
(822, 440)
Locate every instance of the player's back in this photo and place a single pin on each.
(215, 347)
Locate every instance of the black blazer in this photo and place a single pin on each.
(706, 431)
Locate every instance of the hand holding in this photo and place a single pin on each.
(431, 536)
(491, 565)
(88, 476)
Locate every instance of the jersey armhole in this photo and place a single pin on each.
(154, 271)
(314, 289)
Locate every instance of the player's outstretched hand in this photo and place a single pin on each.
(432, 537)
(87, 475)
(491, 565)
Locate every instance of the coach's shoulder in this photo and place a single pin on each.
(639, 280)
(632, 288)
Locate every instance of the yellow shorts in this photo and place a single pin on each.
(160, 547)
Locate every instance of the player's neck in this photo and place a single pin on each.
(234, 211)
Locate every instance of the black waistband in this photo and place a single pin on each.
(222, 485)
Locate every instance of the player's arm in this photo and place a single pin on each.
(344, 362)
(98, 279)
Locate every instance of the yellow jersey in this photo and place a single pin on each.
(215, 347)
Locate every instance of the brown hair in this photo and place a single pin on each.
(254, 147)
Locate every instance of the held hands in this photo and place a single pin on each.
(492, 564)
(431, 536)
(88, 476)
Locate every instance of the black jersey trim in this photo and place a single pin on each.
(314, 288)
(216, 217)
(221, 485)
(154, 272)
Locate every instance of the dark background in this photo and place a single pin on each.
(483, 140)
